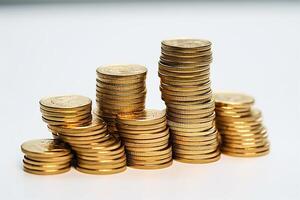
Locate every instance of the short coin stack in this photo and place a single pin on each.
(146, 139)
(106, 157)
(184, 70)
(46, 157)
(240, 125)
(70, 110)
(119, 89)
(96, 150)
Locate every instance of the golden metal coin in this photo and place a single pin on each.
(146, 117)
(203, 144)
(198, 156)
(195, 138)
(145, 145)
(96, 157)
(122, 81)
(144, 131)
(45, 148)
(65, 158)
(194, 134)
(102, 166)
(69, 102)
(123, 70)
(233, 98)
(247, 154)
(181, 54)
(150, 158)
(47, 162)
(186, 43)
(152, 153)
(101, 171)
(149, 162)
(198, 161)
(45, 167)
(141, 128)
(147, 149)
(147, 141)
(205, 97)
(144, 136)
(151, 167)
(46, 172)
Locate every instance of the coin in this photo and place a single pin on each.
(186, 43)
(121, 70)
(146, 117)
(232, 98)
(47, 172)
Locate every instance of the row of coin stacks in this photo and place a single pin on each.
(119, 89)
(184, 70)
(146, 139)
(69, 119)
(241, 126)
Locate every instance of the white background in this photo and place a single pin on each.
(55, 49)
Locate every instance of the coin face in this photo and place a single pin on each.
(233, 98)
(44, 147)
(146, 115)
(122, 70)
(186, 43)
(65, 102)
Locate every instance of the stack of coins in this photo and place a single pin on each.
(106, 157)
(119, 89)
(71, 110)
(146, 139)
(184, 70)
(83, 135)
(240, 125)
(46, 157)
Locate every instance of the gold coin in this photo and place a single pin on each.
(124, 97)
(69, 102)
(149, 162)
(144, 131)
(248, 154)
(123, 70)
(147, 141)
(103, 161)
(141, 128)
(45, 148)
(258, 136)
(179, 151)
(187, 93)
(195, 138)
(144, 136)
(244, 144)
(47, 172)
(145, 145)
(186, 43)
(181, 119)
(146, 117)
(185, 54)
(246, 149)
(45, 167)
(96, 157)
(233, 98)
(178, 59)
(70, 114)
(198, 161)
(122, 103)
(208, 104)
(204, 144)
(119, 87)
(191, 130)
(108, 145)
(150, 158)
(101, 166)
(101, 171)
(65, 158)
(147, 149)
(182, 69)
(255, 114)
(205, 97)
(191, 76)
(67, 119)
(190, 125)
(68, 123)
(152, 153)
(194, 134)
(99, 153)
(47, 162)
(198, 156)
(122, 81)
(150, 167)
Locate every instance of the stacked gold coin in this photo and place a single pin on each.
(146, 138)
(70, 110)
(106, 157)
(184, 70)
(242, 131)
(119, 89)
(46, 157)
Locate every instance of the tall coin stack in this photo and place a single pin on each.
(240, 125)
(46, 157)
(185, 85)
(96, 150)
(119, 89)
(146, 139)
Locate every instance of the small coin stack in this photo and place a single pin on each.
(240, 125)
(46, 157)
(119, 89)
(146, 139)
(84, 135)
(184, 69)
(106, 157)
(70, 111)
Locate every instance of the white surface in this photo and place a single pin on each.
(50, 50)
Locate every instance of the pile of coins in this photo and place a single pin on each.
(97, 152)
(240, 125)
(71, 110)
(184, 70)
(119, 89)
(46, 157)
(146, 139)
(106, 157)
